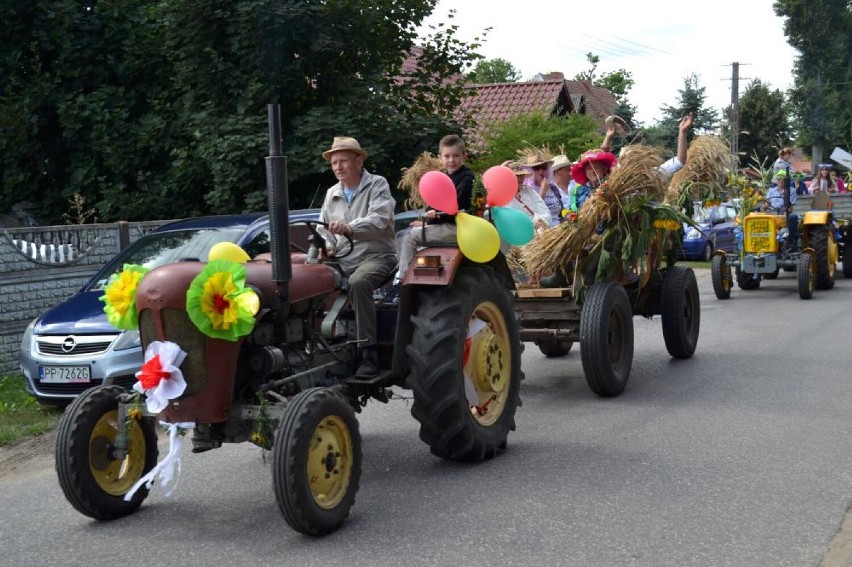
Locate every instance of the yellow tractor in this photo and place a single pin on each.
(771, 241)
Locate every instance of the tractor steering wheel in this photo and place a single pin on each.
(312, 226)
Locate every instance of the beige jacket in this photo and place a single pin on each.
(370, 214)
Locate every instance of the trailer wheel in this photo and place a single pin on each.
(465, 359)
(806, 276)
(721, 274)
(606, 338)
(681, 311)
(825, 256)
(555, 349)
(316, 463)
(93, 479)
(747, 281)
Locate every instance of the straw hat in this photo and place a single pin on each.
(344, 144)
(618, 123)
(578, 170)
(519, 169)
(536, 159)
(559, 162)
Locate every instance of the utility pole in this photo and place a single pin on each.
(735, 111)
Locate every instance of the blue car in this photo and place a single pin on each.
(715, 231)
(72, 346)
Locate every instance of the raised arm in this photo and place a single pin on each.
(683, 129)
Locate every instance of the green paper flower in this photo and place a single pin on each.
(218, 303)
(120, 297)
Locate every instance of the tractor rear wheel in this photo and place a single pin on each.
(847, 258)
(806, 276)
(465, 358)
(606, 338)
(681, 311)
(746, 281)
(721, 274)
(772, 275)
(825, 256)
(555, 349)
(316, 463)
(91, 475)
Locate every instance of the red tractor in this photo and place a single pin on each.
(290, 385)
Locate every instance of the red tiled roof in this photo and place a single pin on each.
(409, 64)
(501, 101)
(599, 102)
(409, 69)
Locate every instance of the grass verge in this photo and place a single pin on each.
(20, 415)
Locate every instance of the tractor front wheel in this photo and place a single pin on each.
(93, 474)
(721, 274)
(606, 338)
(316, 463)
(806, 275)
(465, 358)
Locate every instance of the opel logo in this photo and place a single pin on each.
(68, 344)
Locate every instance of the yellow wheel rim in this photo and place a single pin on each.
(489, 364)
(116, 477)
(330, 458)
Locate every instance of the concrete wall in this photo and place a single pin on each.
(42, 266)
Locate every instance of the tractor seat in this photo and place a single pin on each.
(822, 202)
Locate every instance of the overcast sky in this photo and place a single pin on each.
(660, 42)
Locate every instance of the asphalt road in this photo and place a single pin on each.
(740, 456)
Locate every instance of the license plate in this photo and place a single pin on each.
(64, 374)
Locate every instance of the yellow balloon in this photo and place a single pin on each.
(478, 239)
(227, 251)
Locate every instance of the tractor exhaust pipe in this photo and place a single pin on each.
(787, 202)
(279, 210)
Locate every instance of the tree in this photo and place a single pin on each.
(822, 33)
(496, 70)
(157, 108)
(690, 99)
(764, 126)
(570, 134)
(590, 74)
(619, 83)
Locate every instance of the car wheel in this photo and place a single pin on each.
(707, 253)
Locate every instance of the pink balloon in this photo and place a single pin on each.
(501, 184)
(439, 192)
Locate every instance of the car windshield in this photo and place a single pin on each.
(159, 248)
(702, 214)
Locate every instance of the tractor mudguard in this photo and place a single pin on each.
(816, 217)
(433, 266)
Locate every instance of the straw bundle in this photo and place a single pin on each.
(703, 175)
(410, 180)
(636, 178)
